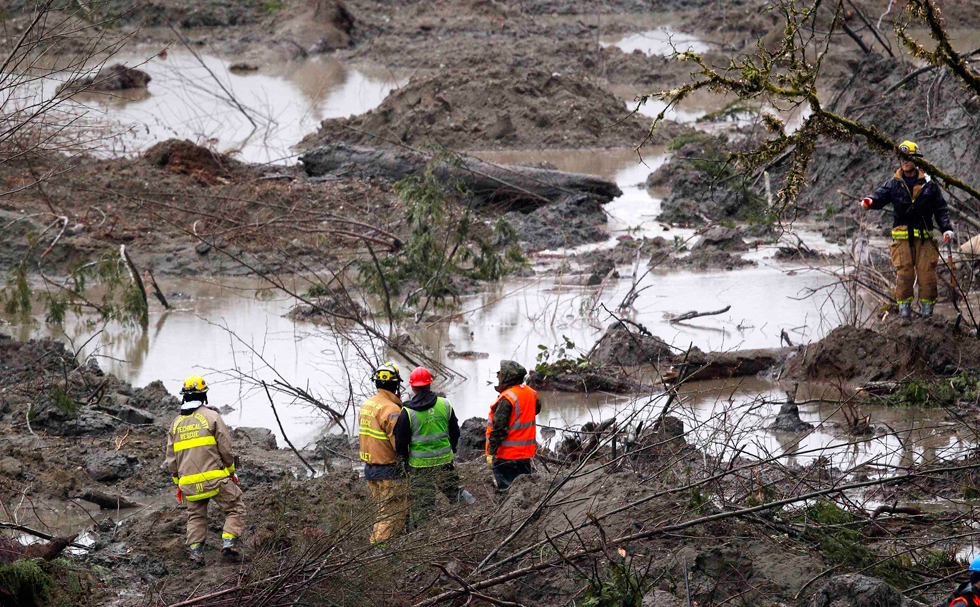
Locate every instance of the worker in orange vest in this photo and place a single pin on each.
(511, 428)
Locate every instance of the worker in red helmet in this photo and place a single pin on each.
(426, 435)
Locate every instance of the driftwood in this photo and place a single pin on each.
(519, 187)
(722, 365)
(895, 509)
(157, 291)
(695, 314)
(108, 502)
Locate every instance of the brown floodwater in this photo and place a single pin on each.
(256, 115)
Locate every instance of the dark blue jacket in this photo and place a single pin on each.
(914, 208)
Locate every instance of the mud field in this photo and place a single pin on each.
(280, 195)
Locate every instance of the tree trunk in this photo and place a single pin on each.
(516, 187)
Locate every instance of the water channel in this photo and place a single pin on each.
(241, 325)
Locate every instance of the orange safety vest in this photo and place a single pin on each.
(521, 441)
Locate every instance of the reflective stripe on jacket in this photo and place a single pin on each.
(902, 233)
(430, 435)
(199, 453)
(376, 428)
(521, 441)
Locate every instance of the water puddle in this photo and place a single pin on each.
(257, 115)
(67, 517)
(663, 41)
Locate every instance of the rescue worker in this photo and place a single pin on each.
(916, 199)
(203, 467)
(966, 594)
(426, 437)
(376, 422)
(511, 427)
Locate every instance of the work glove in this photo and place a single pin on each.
(490, 461)
(947, 235)
(180, 495)
(866, 202)
(234, 478)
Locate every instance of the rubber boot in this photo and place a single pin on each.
(195, 553)
(927, 310)
(905, 314)
(229, 550)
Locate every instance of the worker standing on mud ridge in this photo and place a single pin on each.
(426, 437)
(511, 427)
(916, 199)
(203, 466)
(376, 422)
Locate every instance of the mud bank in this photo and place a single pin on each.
(532, 108)
(888, 351)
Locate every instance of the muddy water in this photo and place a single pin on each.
(663, 41)
(235, 324)
(188, 100)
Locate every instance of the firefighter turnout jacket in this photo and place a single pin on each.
(199, 452)
(376, 428)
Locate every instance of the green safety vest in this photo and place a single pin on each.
(430, 435)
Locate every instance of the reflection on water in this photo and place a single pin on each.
(662, 41)
(285, 101)
(725, 417)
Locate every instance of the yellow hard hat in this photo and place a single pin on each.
(909, 148)
(194, 384)
(387, 372)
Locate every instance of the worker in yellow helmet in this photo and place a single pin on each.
(203, 467)
(382, 471)
(916, 200)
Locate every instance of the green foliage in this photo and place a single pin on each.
(273, 6)
(685, 138)
(558, 361)
(964, 386)
(732, 112)
(698, 500)
(621, 588)
(443, 246)
(18, 293)
(63, 401)
(842, 543)
(121, 299)
(25, 582)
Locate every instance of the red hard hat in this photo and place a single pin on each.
(420, 377)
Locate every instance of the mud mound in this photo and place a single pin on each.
(622, 346)
(186, 158)
(700, 184)
(888, 352)
(570, 222)
(477, 108)
(318, 25)
(114, 78)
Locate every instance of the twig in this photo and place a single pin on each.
(695, 314)
(157, 291)
(231, 97)
(133, 273)
(288, 442)
(473, 593)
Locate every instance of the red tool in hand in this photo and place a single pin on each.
(180, 495)
(866, 202)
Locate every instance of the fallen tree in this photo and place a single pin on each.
(516, 187)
